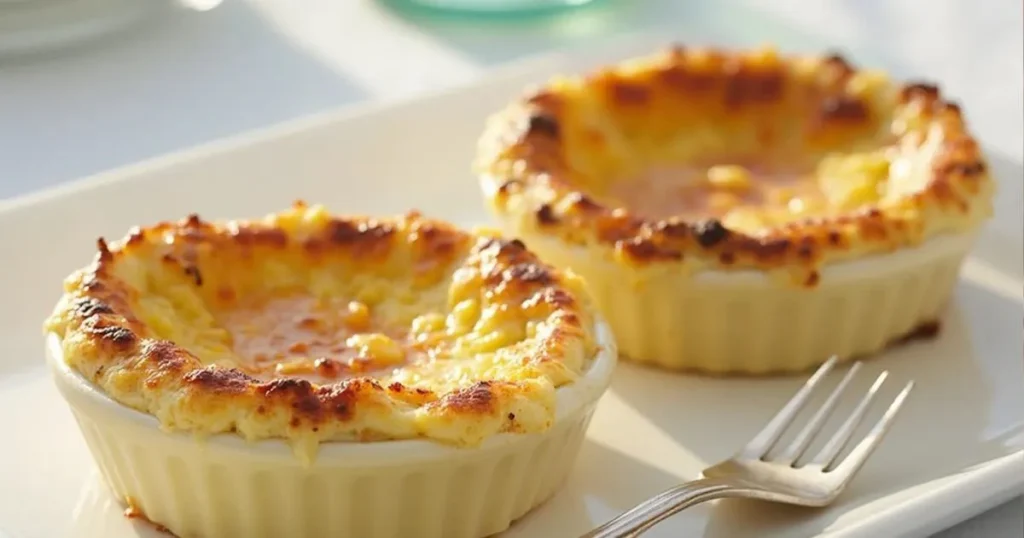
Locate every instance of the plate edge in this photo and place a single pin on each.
(970, 494)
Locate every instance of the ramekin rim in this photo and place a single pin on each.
(854, 267)
(571, 400)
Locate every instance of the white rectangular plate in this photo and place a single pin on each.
(956, 451)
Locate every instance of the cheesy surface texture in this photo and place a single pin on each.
(311, 328)
(716, 159)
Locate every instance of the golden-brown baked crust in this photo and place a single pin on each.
(137, 323)
(535, 154)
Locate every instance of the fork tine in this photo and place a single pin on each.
(853, 462)
(767, 437)
(835, 445)
(806, 435)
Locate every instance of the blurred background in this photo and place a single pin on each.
(87, 85)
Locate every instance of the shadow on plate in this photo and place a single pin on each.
(98, 513)
(950, 424)
(595, 489)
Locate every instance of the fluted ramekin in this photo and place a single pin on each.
(742, 278)
(223, 486)
(753, 322)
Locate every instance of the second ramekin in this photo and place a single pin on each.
(226, 487)
(747, 322)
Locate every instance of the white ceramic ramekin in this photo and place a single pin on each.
(746, 322)
(224, 487)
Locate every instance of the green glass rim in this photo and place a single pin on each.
(504, 9)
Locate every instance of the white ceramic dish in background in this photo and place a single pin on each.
(28, 26)
(957, 450)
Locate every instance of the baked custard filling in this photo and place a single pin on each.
(750, 194)
(320, 340)
(717, 191)
(312, 327)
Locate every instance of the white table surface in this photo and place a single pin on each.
(188, 77)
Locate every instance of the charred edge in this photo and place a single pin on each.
(439, 237)
(627, 93)
(919, 90)
(528, 272)
(545, 99)
(555, 297)
(328, 367)
(88, 307)
(543, 124)
(299, 392)
(508, 186)
(247, 236)
(774, 248)
(680, 78)
(570, 319)
(193, 221)
(162, 352)
(844, 108)
(512, 248)
(339, 400)
(347, 232)
(672, 229)
(582, 202)
(751, 87)
(116, 335)
(92, 283)
(546, 215)
(806, 249)
(477, 398)
(221, 381)
(966, 169)
(838, 62)
(616, 230)
(104, 250)
(194, 273)
(136, 236)
(710, 232)
(961, 145)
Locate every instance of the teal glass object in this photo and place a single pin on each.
(496, 8)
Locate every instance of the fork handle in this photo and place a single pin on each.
(645, 515)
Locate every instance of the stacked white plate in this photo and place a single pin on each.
(34, 25)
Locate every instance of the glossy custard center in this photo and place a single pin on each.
(703, 192)
(321, 340)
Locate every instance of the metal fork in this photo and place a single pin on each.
(755, 474)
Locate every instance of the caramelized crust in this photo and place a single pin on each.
(486, 332)
(547, 158)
